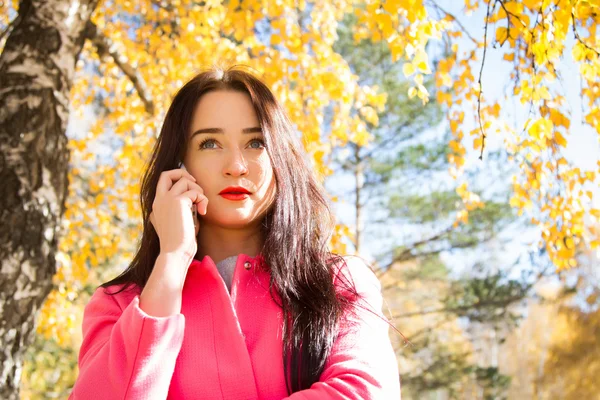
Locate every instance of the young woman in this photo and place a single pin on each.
(245, 302)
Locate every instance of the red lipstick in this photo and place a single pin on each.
(235, 193)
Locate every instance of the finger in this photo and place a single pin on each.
(199, 200)
(192, 186)
(184, 185)
(185, 173)
(166, 179)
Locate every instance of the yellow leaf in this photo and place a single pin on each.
(408, 70)
(275, 40)
(514, 7)
(424, 67)
(560, 140)
(569, 243)
(444, 98)
(462, 216)
(501, 34)
(419, 80)
(540, 129)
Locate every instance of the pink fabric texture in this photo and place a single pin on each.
(227, 345)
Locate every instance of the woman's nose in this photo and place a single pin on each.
(235, 164)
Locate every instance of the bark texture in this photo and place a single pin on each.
(37, 67)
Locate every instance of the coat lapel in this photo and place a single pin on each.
(213, 339)
(260, 319)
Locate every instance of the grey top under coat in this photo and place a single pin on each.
(226, 268)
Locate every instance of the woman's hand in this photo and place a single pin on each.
(176, 194)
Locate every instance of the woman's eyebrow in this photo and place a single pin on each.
(255, 129)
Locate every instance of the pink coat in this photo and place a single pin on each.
(225, 345)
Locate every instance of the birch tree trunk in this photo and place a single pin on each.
(37, 67)
(359, 179)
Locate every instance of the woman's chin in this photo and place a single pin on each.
(231, 220)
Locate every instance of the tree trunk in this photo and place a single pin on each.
(359, 178)
(37, 67)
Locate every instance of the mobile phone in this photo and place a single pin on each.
(194, 208)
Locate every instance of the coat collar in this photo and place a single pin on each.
(257, 261)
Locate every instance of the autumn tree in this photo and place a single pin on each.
(37, 68)
(554, 351)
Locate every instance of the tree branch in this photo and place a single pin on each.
(483, 136)
(462, 27)
(429, 328)
(579, 38)
(406, 254)
(106, 46)
(476, 305)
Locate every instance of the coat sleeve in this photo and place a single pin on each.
(126, 353)
(362, 364)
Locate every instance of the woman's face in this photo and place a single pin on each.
(231, 154)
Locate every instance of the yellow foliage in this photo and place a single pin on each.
(336, 243)
(573, 344)
(536, 32)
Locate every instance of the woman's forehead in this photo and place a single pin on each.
(224, 113)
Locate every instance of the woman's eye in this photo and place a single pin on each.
(201, 145)
(259, 141)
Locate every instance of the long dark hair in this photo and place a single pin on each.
(296, 229)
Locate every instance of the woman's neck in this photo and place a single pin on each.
(220, 243)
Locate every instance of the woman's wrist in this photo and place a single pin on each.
(161, 296)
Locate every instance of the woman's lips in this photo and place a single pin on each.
(235, 196)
